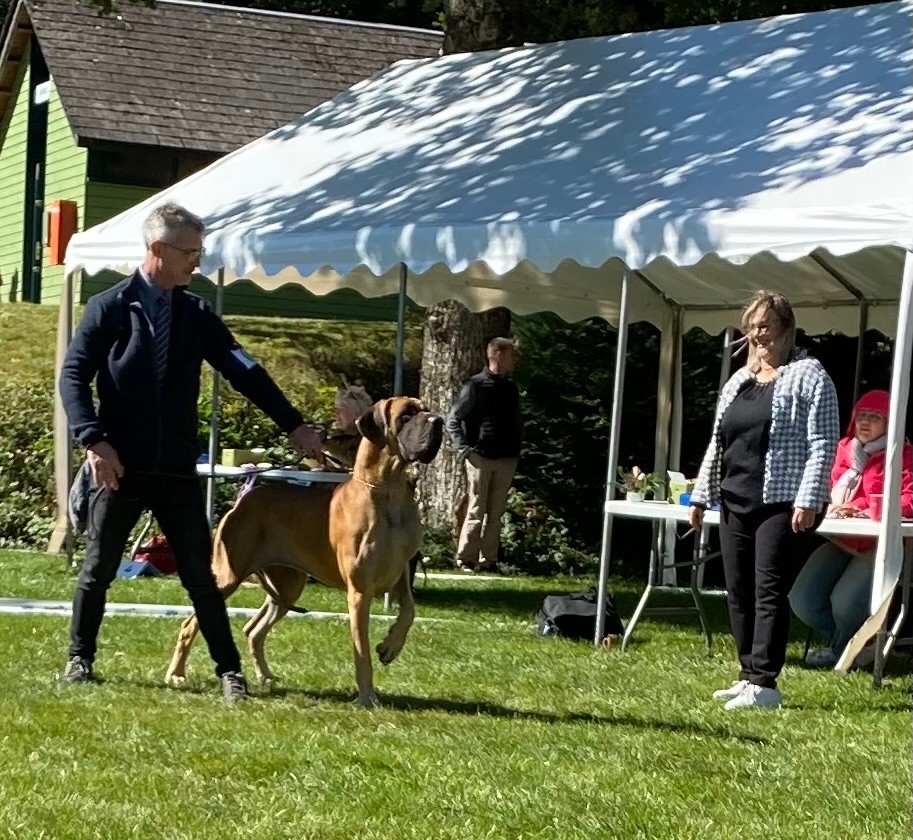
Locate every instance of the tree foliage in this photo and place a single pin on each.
(535, 21)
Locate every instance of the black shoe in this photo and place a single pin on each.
(77, 670)
(234, 687)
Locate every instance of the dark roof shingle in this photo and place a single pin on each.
(205, 77)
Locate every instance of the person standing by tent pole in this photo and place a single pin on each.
(143, 343)
(485, 427)
(768, 466)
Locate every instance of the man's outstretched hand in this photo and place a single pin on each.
(308, 442)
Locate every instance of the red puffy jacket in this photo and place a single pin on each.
(872, 483)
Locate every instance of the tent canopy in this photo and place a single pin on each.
(711, 160)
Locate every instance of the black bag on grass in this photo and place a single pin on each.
(574, 616)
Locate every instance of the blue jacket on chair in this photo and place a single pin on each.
(154, 428)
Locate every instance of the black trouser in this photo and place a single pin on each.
(761, 559)
(179, 509)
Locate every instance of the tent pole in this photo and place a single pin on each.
(614, 441)
(889, 554)
(400, 331)
(398, 365)
(726, 361)
(62, 537)
(860, 348)
(725, 373)
(214, 416)
(672, 431)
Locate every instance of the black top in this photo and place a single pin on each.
(152, 425)
(486, 417)
(745, 432)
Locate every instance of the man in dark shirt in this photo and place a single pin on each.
(143, 343)
(484, 425)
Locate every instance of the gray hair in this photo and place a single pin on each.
(165, 222)
(774, 302)
(354, 397)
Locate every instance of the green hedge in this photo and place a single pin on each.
(26, 464)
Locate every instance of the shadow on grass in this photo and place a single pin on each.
(485, 708)
(410, 703)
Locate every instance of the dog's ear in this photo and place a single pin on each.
(373, 425)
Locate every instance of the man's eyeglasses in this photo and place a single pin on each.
(190, 253)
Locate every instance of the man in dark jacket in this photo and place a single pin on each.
(484, 425)
(143, 343)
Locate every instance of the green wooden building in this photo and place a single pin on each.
(105, 111)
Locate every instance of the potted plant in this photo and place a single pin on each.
(636, 484)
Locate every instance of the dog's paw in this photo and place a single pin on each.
(175, 680)
(369, 702)
(387, 652)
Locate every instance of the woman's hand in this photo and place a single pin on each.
(803, 519)
(843, 511)
(696, 517)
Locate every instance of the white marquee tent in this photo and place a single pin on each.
(659, 176)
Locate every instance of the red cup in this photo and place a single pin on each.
(875, 500)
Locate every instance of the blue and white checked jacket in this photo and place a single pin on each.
(804, 430)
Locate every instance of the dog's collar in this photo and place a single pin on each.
(377, 487)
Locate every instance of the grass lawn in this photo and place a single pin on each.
(487, 731)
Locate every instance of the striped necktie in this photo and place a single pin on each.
(162, 332)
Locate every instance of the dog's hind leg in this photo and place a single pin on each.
(390, 647)
(283, 586)
(272, 612)
(257, 617)
(177, 670)
(359, 617)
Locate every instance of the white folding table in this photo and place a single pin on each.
(660, 513)
(277, 474)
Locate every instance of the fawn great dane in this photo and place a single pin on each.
(357, 536)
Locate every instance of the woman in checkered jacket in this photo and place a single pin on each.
(768, 469)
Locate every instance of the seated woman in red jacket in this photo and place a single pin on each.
(831, 594)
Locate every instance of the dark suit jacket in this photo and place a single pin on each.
(154, 428)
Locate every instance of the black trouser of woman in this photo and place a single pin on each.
(761, 559)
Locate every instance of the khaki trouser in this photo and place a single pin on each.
(489, 481)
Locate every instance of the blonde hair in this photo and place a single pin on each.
(785, 345)
(354, 397)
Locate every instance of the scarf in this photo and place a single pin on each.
(847, 485)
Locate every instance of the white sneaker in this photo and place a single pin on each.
(733, 691)
(756, 696)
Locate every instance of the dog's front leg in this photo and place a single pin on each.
(390, 647)
(359, 617)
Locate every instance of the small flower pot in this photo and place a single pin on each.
(631, 496)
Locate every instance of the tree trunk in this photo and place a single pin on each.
(454, 349)
(475, 25)
(455, 338)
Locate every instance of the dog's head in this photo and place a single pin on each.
(404, 427)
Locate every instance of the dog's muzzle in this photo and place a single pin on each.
(420, 439)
